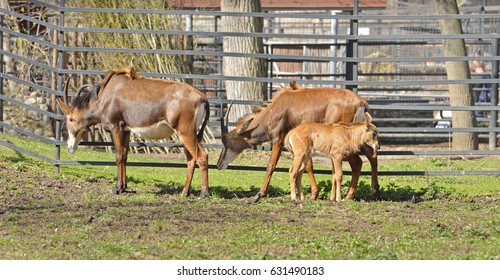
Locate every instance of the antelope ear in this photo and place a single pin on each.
(245, 125)
(368, 118)
(64, 107)
(293, 85)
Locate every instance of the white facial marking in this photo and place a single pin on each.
(73, 142)
(229, 156)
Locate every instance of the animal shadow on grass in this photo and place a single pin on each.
(170, 188)
(19, 158)
(216, 191)
(392, 192)
(223, 192)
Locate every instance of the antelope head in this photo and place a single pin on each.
(78, 118)
(370, 137)
(234, 143)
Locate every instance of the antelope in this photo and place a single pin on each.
(125, 102)
(289, 108)
(338, 141)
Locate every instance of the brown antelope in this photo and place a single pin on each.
(289, 108)
(338, 141)
(125, 102)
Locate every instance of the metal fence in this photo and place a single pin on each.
(403, 52)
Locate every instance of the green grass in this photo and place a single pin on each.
(250, 181)
(73, 215)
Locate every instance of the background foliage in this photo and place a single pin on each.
(157, 63)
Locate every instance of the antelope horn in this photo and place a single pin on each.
(81, 88)
(223, 128)
(66, 84)
(228, 110)
(224, 120)
(226, 117)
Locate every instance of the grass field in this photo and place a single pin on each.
(73, 215)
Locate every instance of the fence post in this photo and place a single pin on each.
(494, 95)
(218, 44)
(334, 30)
(270, 71)
(1, 73)
(60, 66)
(352, 50)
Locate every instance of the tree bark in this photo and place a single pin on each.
(9, 61)
(242, 66)
(460, 94)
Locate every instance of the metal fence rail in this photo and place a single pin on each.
(420, 91)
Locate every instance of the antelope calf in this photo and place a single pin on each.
(338, 141)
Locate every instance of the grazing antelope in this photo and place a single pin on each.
(125, 102)
(289, 108)
(338, 141)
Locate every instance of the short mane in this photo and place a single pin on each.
(293, 86)
(83, 100)
(261, 107)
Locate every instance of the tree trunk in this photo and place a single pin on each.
(242, 66)
(460, 94)
(8, 61)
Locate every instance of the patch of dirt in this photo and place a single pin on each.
(42, 187)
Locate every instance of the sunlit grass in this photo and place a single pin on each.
(240, 181)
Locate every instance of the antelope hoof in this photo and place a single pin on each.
(203, 194)
(116, 191)
(376, 195)
(256, 198)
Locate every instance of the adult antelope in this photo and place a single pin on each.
(338, 141)
(289, 108)
(125, 102)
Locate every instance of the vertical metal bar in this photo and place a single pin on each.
(494, 95)
(1, 72)
(334, 27)
(60, 58)
(269, 61)
(398, 55)
(270, 71)
(305, 64)
(352, 51)
(218, 45)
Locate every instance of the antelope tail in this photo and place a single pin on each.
(360, 113)
(205, 121)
